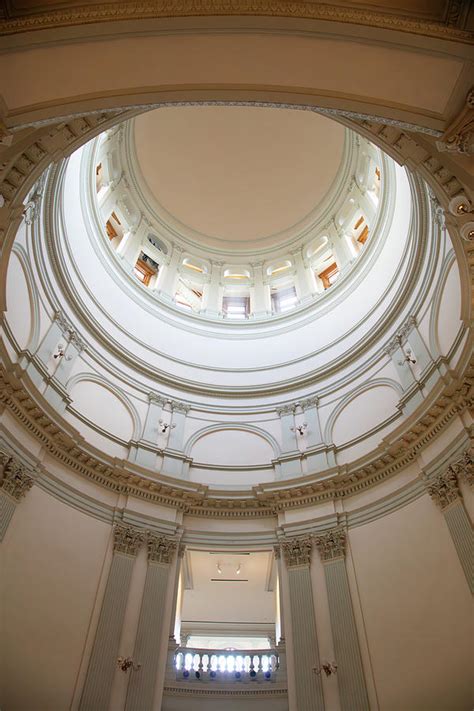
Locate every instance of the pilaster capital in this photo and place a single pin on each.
(127, 539)
(464, 467)
(277, 552)
(444, 489)
(286, 409)
(15, 479)
(178, 406)
(297, 551)
(401, 335)
(331, 544)
(310, 402)
(160, 548)
(158, 399)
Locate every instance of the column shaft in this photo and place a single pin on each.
(7, 509)
(103, 661)
(149, 638)
(463, 538)
(309, 691)
(350, 673)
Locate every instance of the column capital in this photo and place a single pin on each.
(178, 406)
(310, 402)
(463, 467)
(127, 539)
(297, 551)
(286, 409)
(160, 548)
(158, 399)
(444, 489)
(15, 479)
(331, 544)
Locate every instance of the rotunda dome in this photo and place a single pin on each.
(261, 353)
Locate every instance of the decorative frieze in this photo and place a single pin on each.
(297, 551)
(127, 539)
(160, 548)
(15, 479)
(444, 489)
(331, 544)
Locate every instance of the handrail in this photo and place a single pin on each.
(226, 664)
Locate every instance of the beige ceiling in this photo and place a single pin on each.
(237, 174)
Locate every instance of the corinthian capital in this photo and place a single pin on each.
(331, 544)
(464, 468)
(127, 539)
(15, 479)
(297, 551)
(160, 548)
(444, 488)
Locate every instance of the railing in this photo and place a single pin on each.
(253, 665)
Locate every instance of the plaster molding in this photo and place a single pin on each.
(463, 468)
(15, 480)
(263, 500)
(331, 544)
(459, 137)
(297, 551)
(401, 336)
(127, 539)
(160, 548)
(444, 489)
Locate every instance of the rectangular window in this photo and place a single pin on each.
(284, 300)
(236, 307)
(329, 275)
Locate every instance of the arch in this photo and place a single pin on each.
(252, 429)
(33, 340)
(377, 382)
(435, 347)
(119, 394)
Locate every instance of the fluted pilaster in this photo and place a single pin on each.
(445, 492)
(350, 673)
(103, 660)
(15, 482)
(141, 687)
(309, 692)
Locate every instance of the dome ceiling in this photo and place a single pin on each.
(237, 177)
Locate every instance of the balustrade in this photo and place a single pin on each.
(254, 665)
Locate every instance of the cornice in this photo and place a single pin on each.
(148, 9)
(264, 500)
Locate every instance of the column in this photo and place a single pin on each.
(151, 624)
(279, 634)
(147, 446)
(103, 660)
(304, 280)
(350, 672)
(15, 482)
(309, 691)
(444, 491)
(212, 296)
(168, 276)
(290, 458)
(260, 293)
